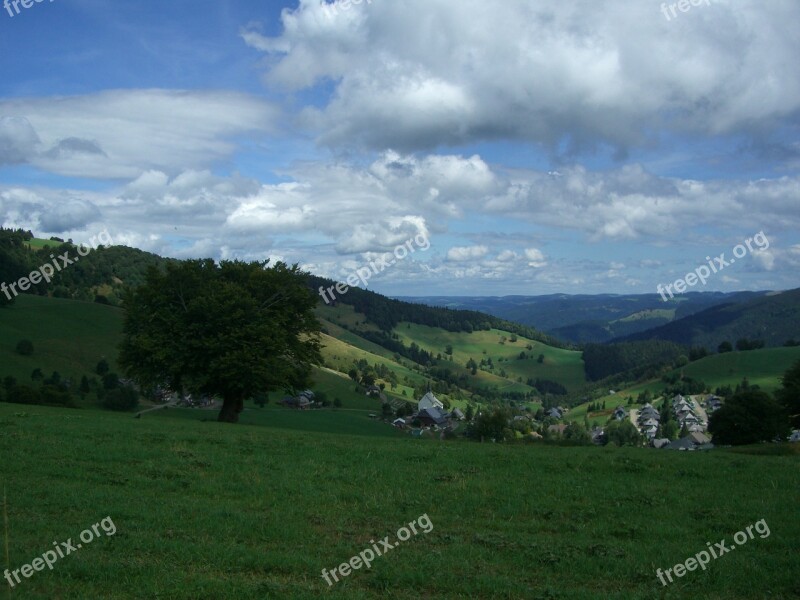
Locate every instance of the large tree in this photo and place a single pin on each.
(231, 329)
(747, 418)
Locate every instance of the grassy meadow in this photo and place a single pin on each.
(68, 336)
(207, 511)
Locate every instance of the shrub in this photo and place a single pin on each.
(121, 399)
(25, 347)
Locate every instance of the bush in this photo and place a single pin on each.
(110, 381)
(25, 347)
(56, 395)
(121, 399)
(23, 394)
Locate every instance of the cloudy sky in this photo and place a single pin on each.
(542, 146)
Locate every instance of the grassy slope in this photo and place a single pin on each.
(564, 366)
(762, 367)
(68, 336)
(205, 511)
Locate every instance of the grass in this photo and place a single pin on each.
(563, 366)
(207, 511)
(68, 336)
(763, 367)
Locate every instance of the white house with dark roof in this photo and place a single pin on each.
(429, 401)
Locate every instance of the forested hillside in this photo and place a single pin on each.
(773, 319)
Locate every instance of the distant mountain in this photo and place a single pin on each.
(773, 318)
(589, 318)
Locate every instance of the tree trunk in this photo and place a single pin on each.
(231, 407)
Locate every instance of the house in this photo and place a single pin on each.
(650, 432)
(433, 416)
(457, 414)
(620, 414)
(399, 423)
(699, 438)
(681, 406)
(795, 437)
(429, 401)
(693, 441)
(555, 413)
(374, 391)
(713, 403)
(659, 443)
(648, 412)
(303, 401)
(681, 444)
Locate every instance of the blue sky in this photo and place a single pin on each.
(584, 147)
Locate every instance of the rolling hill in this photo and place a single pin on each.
(71, 336)
(773, 318)
(589, 318)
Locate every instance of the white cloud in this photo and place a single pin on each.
(423, 73)
(121, 133)
(466, 253)
(535, 258)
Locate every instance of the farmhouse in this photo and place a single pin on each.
(433, 416)
(429, 401)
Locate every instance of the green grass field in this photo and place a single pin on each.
(563, 366)
(68, 336)
(210, 511)
(759, 366)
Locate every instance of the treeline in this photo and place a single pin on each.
(412, 352)
(387, 313)
(53, 390)
(102, 275)
(603, 361)
(546, 386)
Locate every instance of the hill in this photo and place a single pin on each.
(589, 318)
(71, 336)
(774, 318)
(68, 336)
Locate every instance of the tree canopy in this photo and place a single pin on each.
(749, 417)
(232, 329)
(789, 394)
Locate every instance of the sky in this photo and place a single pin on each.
(580, 147)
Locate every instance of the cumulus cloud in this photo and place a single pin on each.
(535, 258)
(466, 253)
(423, 73)
(330, 216)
